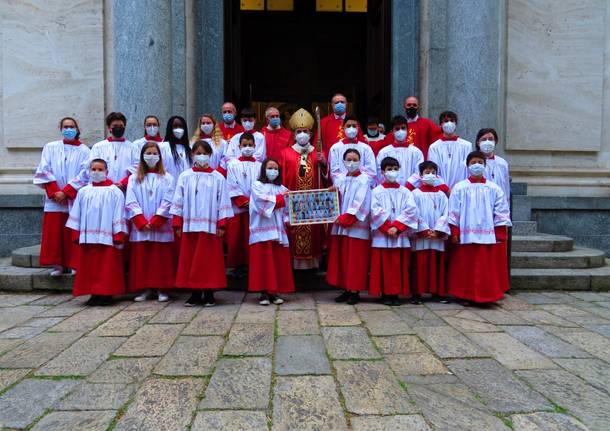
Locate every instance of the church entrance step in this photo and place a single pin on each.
(16, 278)
(26, 257)
(577, 258)
(541, 242)
(525, 228)
(561, 279)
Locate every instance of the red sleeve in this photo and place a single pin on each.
(398, 225)
(409, 186)
(118, 237)
(177, 222)
(125, 180)
(346, 220)
(455, 231)
(140, 221)
(240, 201)
(445, 189)
(75, 236)
(385, 227)
(501, 233)
(280, 202)
(51, 189)
(70, 191)
(222, 170)
(157, 221)
(222, 223)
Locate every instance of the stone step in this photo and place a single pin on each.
(525, 228)
(595, 279)
(26, 257)
(579, 257)
(16, 278)
(541, 242)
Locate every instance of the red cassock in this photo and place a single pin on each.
(422, 133)
(332, 132)
(100, 271)
(270, 268)
(237, 237)
(229, 132)
(276, 140)
(428, 272)
(305, 241)
(389, 271)
(57, 247)
(348, 262)
(201, 264)
(152, 265)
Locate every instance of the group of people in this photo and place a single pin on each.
(421, 210)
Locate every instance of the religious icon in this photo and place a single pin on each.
(313, 207)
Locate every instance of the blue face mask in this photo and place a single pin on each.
(372, 132)
(69, 133)
(228, 118)
(476, 169)
(275, 122)
(339, 108)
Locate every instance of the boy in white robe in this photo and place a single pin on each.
(402, 149)
(368, 165)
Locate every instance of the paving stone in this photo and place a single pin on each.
(241, 420)
(150, 340)
(8, 344)
(301, 354)
(469, 325)
(370, 388)
(212, 321)
(22, 332)
(511, 353)
(415, 364)
(224, 297)
(370, 304)
(82, 357)
(250, 340)
(540, 298)
(446, 413)
(298, 322)
(497, 386)
(594, 371)
(43, 322)
(307, 403)
(123, 370)
(514, 302)
(594, 343)
(385, 322)
(338, 315)
(38, 350)
(66, 309)
(600, 329)
(349, 342)
(545, 343)
(191, 356)
(176, 312)
(419, 317)
(239, 384)
(558, 331)
(10, 377)
(576, 315)
(75, 421)
(568, 391)
(14, 316)
(97, 396)
(162, 404)
(546, 421)
(449, 343)
(254, 313)
(298, 301)
(147, 306)
(123, 324)
(460, 392)
(541, 317)
(13, 299)
(29, 399)
(430, 379)
(440, 306)
(86, 319)
(397, 344)
(500, 317)
(54, 299)
(390, 423)
(460, 314)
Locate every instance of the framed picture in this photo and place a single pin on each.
(313, 206)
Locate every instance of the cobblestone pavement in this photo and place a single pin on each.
(535, 361)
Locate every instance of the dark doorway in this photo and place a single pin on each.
(302, 57)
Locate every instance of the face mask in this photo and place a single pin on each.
(151, 160)
(118, 131)
(207, 128)
(247, 151)
(429, 179)
(339, 108)
(449, 127)
(476, 169)
(302, 139)
(178, 133)
(487, 146)
(372, 132)
(248, 125)
(201, 159)
(272, 174)
(152, 130)
(351, 166)
(69, 133)
(97, 176)
(411, 112)
(391, 176)
(275, 122)
(351, 132)
(400, 135)
(228, 118)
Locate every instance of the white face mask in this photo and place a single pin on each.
(201, 159)
(207, 128)
(391, 176)
(429, 179)
(247, 151)
(351, 166)
(449, 127)
(152, 130)
(151, 160)
(302, 139)
(272, 174)
(400, 135)
(476, 169)
(248, 125)
(178, 133)
(487, 146)
(351, 132)
(97, 176)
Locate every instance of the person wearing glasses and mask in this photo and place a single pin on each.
(276, 137)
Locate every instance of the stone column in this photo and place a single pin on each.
(405, 52)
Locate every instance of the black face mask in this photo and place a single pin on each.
(411, 112)
(118, 131)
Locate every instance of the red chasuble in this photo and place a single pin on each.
(229, 132)
(276, 140)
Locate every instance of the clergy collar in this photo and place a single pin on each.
(339, 117)
(113, 139)
(452, 138)
(104, 183)
(350, 141)
(153, 138)
(477, 180)
(273, 129)
(230, 126)
(200, 169)
(74, 142)
(387, 185)
(413, 120)
(492, 157)
(246, 159)
(426, 188)
(354, 174)
(403, 144)
(301, 150)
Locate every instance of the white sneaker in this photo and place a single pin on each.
(57, 271)
(277, 300)
(141, 297)
(163, 297)
(264, 300)
(73, 272)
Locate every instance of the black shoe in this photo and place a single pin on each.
(194, 300)
(93, 301)
(208, 299)
(416, 300)
(343, 297)
(443, 300)
(395, 301)
(386, 300)
(354, 298)
(104, 300)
